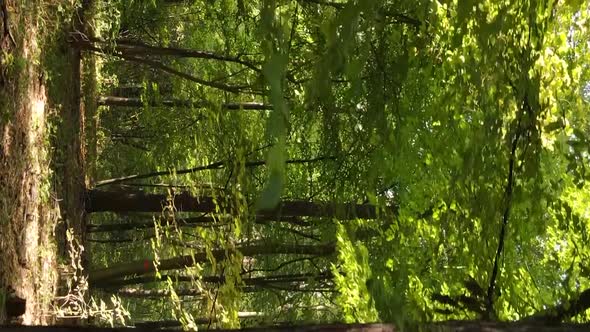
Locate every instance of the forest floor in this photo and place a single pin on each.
(41, 155)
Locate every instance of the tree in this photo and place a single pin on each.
(147, 266)
(136, 102)
(461, 127)
(138, 201)
(203, 221)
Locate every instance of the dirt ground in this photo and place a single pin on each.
(41, 181)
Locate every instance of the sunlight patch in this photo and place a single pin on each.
(37, 107)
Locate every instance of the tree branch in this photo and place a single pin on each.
(137, 102)
(170, 70)
(132, 47)
(212, 166)
(506, 214)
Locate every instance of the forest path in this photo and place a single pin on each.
(30, 187)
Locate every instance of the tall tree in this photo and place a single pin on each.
(138, 201)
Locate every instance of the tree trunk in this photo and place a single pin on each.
(125, 225)
(201, 221)
(282, 278)
(160, 66)
(137, 201)
(144, 54)
(212, 166)
(137, 48)
(137, 102)
(147, 266)
(156, 293)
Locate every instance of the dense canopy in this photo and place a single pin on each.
(464, 124)
(286, 162)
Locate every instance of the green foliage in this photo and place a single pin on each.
(465, 123)
(351, 276)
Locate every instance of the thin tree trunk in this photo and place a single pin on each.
(214, 165)
(149, 224)
(137, 102)
(281, 278)
(170, 70)
(162, 67)
(183, 292)
(129, 47)
(201, 221)
(156, 293)
(137, 201)
(147, 266)
(125, 240)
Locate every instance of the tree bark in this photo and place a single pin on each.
(147, 266)
(137, 201)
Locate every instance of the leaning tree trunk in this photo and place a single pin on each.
(156, 294)
(260, 281)
(293, 283)
(140, 49)
(200, 221)
(212, 166)
(147, 266)
(178, 103)
(138, 201)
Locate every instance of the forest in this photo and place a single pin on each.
(295, 165)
